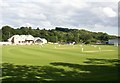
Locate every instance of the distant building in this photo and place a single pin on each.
(26, 40)
(114, 42)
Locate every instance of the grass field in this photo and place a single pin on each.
(60, 63)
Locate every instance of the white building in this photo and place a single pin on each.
(26, 40)
(114, 42)
(38, 40)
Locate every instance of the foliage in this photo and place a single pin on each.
(61, 35)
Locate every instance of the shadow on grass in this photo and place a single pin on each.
(102, 61)
(57, 72)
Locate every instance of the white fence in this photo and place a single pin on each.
(5, 43)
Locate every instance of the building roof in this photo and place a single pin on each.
(21, 37)
(29, 37)
(36, 38)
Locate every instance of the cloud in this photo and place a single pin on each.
(107, 28)
(109, 12)
(27, 25)
(66, 13)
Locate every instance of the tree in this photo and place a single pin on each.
(7, 32)
(53, 39)
(103, 36)
(61, 35)
(1, 35)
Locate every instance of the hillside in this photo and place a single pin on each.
(59, 34)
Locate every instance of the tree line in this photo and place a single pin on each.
(59, 35)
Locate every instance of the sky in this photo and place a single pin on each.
(92, 15)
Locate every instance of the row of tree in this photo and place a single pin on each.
(60, 35)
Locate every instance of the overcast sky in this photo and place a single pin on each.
(93, 15)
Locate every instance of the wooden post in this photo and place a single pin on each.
(82, 49)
